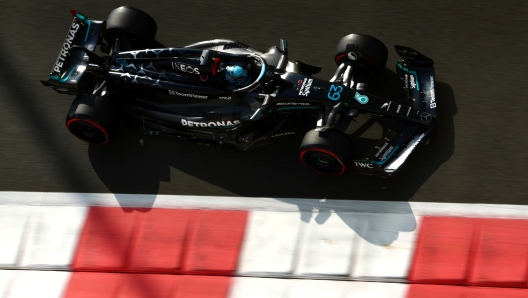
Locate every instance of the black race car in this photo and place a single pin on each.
(186, 92)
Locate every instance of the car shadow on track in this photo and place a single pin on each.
(136, 163)
(377, 222)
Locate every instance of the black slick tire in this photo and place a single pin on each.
(93, 119)
(131, 23)
(326, 152)
(373, 50)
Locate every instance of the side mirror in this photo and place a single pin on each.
(283, 46)
(283, 62)
(206, 58)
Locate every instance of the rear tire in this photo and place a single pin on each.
(326, 152)
(93, 119)
(373, 49)
(131, 23)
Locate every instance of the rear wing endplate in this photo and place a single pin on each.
(70, 65)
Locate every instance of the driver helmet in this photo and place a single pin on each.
(236, 75)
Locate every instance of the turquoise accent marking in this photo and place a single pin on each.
(262, 72)
(67, 76)
(54, 77)
(401, 66)
(121, 62)
(84, 19)
(87, 30)
(362, 99)
(412, 72)
(388, 157)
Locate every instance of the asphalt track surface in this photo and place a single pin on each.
(477, 154)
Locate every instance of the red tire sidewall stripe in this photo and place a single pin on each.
(372, 61)
(343, 167)
(69, 122)
(339, 58)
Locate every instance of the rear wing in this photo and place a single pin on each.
(67, 73)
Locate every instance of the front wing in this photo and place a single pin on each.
(416, 72)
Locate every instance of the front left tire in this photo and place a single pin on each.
(326, 152)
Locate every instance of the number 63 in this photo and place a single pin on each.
(335, 92)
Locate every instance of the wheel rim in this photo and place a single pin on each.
(322, 161)
(87, 131)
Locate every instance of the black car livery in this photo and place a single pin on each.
(182, 91)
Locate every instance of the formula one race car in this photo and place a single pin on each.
(225, 92)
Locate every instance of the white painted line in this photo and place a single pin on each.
(270, 243)
(244, 287)
(53, 236)
(13, 221)
(327, 246)
(387, 251)
(318, 288)
(263, 204)
(42, 284)
(377, 290)
(6, 280)
(20, 198)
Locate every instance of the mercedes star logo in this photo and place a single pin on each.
(425, 117)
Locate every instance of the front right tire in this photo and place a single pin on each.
(131, 23)
(374, 50)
